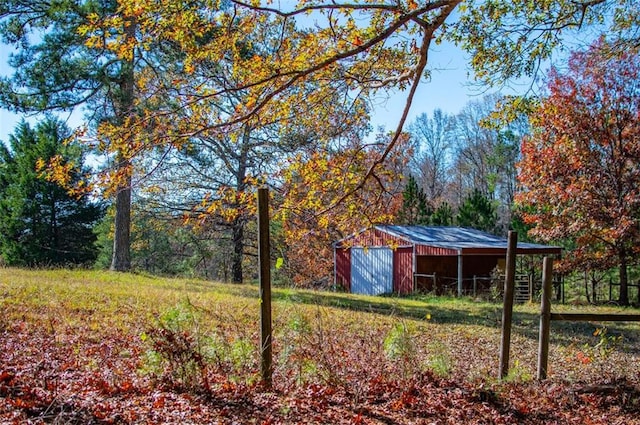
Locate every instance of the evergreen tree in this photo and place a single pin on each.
(416, 209)
(58, 66)
(443, 215)
(40, 222)
(477, 212)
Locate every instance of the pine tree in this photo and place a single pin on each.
(40, 222)
(443, 215)
(416, 209)
(477, 212)
(58, 66)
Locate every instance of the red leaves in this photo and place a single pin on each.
(578, 175)
(6, 377)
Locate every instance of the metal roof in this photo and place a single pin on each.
(459, 238)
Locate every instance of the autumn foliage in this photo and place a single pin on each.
(579, 174)
(325, 199)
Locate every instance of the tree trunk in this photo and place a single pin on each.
(237, 228)
(624, 289)
(121, 259)
(238, 249)
(55, 234)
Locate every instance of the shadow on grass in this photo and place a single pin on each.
(482, 314)
(450, 311)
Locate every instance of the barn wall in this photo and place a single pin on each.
(373, 237)
(343, 268)
(403, 270)
(435, 251)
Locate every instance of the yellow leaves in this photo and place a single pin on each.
(314, 186)
(251, 102)
(57, 170)
(189, 66)
(40, 165)
(65, 174)
(323, 222)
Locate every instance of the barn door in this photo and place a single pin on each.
(371, 271)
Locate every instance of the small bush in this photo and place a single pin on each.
(182, 355)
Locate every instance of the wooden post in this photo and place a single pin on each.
(266, 363)
(545, 317)
(460, 273)
(531, 287)
(507, 309)
(610, 290)
(475, 286)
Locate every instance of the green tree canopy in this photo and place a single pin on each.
(40, 223)
(443, 215)
(478, 212)
(415, 209)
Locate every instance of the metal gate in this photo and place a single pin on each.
(371, 271)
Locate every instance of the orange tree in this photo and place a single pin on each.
(580, 172)
(313, 218)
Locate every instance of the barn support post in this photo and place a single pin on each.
(507, 309)
(266, 363)
(460, 273)
(545, 318)
(414, 267)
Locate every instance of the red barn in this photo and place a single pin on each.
(403, 259)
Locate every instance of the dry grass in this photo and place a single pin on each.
(119, 332)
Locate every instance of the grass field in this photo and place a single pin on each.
(100, 347)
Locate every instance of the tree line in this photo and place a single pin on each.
(190, 106)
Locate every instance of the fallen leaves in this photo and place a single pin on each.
(331, 368)
(37, 388)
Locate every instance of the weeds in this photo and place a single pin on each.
(518, 374)
(309, 350)
(176, 355)
(399, 346)
(440, 361)
(184, 356)
(606, 343)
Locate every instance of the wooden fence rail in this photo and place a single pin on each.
(546, 317)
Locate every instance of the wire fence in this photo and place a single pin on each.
(528, 286)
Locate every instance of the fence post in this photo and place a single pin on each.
(507, 309)
(266, 359)
(545, 317)
(531, 287)
(475, 286)
(610, 290)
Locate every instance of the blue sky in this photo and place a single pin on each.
(448, 89)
